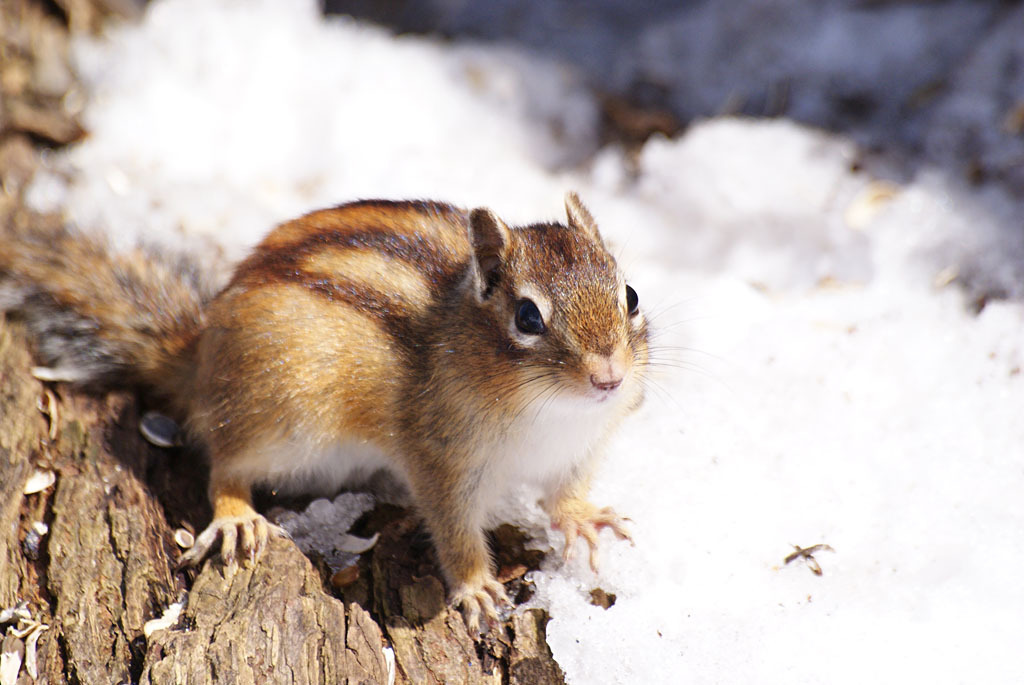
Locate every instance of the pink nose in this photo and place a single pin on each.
(606, 383)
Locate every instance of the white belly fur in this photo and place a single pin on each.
(540, 449)
(294, 465)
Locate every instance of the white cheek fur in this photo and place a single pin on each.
(549, 440)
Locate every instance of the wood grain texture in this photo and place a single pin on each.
(20, 430)
(269, 624)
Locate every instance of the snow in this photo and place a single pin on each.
(824, 374)
(323, 527)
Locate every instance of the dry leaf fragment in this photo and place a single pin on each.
(807, 554)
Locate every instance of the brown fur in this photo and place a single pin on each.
(104, 317)
(380, 326)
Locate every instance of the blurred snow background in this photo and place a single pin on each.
(838, 308)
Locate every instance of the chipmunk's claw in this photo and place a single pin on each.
(484, 596)
(585, 520)
(248, 534)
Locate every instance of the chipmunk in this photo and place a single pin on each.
(463, 355)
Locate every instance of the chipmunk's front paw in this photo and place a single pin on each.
(246, 534)
(578, 518)
(484, 595)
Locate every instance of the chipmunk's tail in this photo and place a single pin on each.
(99, 316)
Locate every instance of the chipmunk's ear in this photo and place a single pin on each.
(489, 237)
(579, 218)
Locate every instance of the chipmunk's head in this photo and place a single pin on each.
(562, 315)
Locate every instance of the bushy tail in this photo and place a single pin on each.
(99, 316)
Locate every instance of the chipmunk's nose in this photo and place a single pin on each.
(606, 373)
(606, 382)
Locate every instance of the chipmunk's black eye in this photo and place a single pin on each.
(632, 301)
(528, 318)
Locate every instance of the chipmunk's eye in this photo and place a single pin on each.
(528, 318)
(632, 301)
